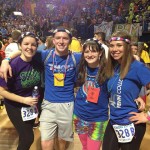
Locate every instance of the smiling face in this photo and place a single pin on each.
(92, 57)
(29, 47)
(117, 49)
(61, 41)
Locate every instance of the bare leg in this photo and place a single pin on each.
(48, 144)
(62, 144)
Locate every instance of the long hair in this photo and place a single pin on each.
(127, 58)
(82, 74)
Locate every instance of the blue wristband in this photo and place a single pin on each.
(7, 58)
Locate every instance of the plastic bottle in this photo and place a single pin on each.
(35, 92)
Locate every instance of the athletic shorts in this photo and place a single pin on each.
(95, 130)
(56, 120)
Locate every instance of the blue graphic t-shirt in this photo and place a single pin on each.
(124, 92)
(57, 64)
(25, 75)
(89, 111)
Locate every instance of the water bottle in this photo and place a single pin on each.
(35, 92)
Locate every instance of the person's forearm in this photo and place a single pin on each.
(5, 67)
(14, 55)
(11, 96)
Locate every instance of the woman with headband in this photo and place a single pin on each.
(126, 77)
(91, 103)
(17, 91)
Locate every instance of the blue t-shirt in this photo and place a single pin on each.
(90, 111)
(59, 94)
(25, 75)
(124, 92)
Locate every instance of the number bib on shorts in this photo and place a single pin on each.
(29, 113)
(124, 133)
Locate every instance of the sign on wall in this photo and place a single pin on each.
(105, 27)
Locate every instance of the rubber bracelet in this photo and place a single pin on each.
(148, 117)
(7, 58)
(148, 113)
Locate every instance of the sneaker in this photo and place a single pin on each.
(36, 125)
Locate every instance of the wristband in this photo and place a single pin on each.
(148, 115)
(8, 58)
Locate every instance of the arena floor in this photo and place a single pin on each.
(9, 137)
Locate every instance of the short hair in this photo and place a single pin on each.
(73, 32)
(16, 34)
(43, 39)
(62, 29)
(101, 34)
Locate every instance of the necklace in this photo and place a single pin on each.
(64, 74)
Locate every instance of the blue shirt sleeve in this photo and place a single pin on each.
(143, 74)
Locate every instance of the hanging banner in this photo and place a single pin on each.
(134, 30)
(33, 6)
(105, 27)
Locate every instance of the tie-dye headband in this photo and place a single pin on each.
(120, 39)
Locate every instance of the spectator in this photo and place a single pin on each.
(100, 36)
(2, 53)
(75, 45)
(41, 45)
(14, 46)
(135, 51)
(49, 42)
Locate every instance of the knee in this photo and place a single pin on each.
(61, 141)
(30, 140)
(27, 140)
(48, 144)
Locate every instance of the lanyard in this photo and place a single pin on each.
(109, 89)
(91, 89)
(90, 76)
(54, 54)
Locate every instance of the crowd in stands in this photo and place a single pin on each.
(42, 16)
